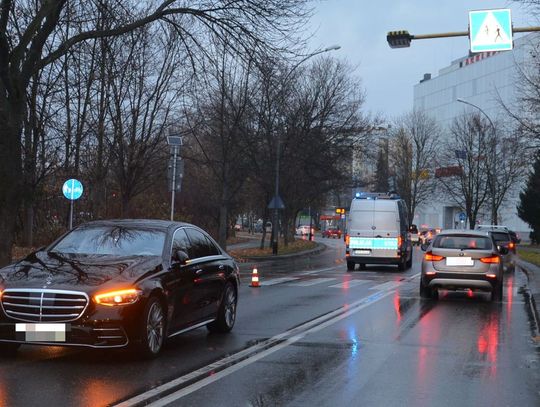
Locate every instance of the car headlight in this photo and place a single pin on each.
(118, 297)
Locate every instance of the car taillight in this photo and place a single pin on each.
(347, 239)
(511, 245)
(491, 260)
(432, 257)
(399, 241)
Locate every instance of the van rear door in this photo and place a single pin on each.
(361, 218)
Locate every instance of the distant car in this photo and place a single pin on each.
(503, 239)
(427, 236)
(302, 230)
(515, 237)
(118, 283)
(462, 260)
(333, 233)
(415, 236)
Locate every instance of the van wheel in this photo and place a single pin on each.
(409, 262)
(350, 265)
(401, 265)
(362, 266)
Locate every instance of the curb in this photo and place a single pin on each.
(527, 267)
(320, 248)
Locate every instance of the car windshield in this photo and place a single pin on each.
(462, 242)
(112, 240)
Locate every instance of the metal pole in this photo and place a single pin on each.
(310, 234)
(71, 214)
(173, 189)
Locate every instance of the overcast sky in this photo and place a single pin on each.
(388, 75)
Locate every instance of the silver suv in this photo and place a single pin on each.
(462, 260)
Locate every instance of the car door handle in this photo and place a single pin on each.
(221, 267)
(199, 272)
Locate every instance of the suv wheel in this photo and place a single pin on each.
(425, 291)
(350, 265)
(497, 293)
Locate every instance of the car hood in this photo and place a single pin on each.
(70, 271)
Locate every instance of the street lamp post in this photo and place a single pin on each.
(174, 141)
(276, 204)
(491, 177)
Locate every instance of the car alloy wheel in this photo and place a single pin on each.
(152, 329)
(226, 315)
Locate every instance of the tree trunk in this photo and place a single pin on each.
(11, 123)
(28, 228)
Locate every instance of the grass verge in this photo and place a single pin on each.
(297, 246)
(530, 255)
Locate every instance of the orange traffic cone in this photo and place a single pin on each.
(254, 278)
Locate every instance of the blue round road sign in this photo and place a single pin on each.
(72, 189)
(462, 216)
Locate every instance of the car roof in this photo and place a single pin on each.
(467, 232)
(142, 223)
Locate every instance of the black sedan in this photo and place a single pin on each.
(119, 283)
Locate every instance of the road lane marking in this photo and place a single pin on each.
(230, 364)
(349, 284)
(306, 273)
(389, 285)
(280, 280)
(307, 283)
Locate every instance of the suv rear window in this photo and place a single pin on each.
(462, 242)
(500, 237)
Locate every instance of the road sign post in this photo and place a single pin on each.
(72, 190)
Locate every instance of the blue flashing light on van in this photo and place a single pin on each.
(376, 195)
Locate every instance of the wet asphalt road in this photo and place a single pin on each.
(313, 334)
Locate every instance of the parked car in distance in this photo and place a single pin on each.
(118, 283)
(302, 230)
(426, 236)
(462, 260)
(503, 239)
(333, 233)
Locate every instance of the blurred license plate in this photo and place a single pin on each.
(459, 261)
(360, 252)
(41, 332)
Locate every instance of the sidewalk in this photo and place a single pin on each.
(533, 275)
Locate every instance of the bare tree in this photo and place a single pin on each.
(29, 41)
(462, 172)
(412, 156)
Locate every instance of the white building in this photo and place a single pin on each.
(483, 80)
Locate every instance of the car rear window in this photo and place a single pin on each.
(500, 237)
(462, 242)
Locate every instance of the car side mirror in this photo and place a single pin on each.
(180, 257)
(502, 250)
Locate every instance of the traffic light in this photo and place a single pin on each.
(399, 39)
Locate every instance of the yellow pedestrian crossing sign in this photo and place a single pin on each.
(490, 30)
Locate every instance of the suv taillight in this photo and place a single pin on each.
(429, 256)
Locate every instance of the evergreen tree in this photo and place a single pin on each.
(529, 206)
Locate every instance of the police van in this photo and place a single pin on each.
(377, 231)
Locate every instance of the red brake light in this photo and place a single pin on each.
(491, 260)
(432, 257)
(347, 239)
(511, 245)
(399, 241)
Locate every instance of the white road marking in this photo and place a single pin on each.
(358, 306)
(280, 280)
(306, 273)
(307, 283)
(414, 276)
(349, 284)
(389, 285)
(249, 355)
